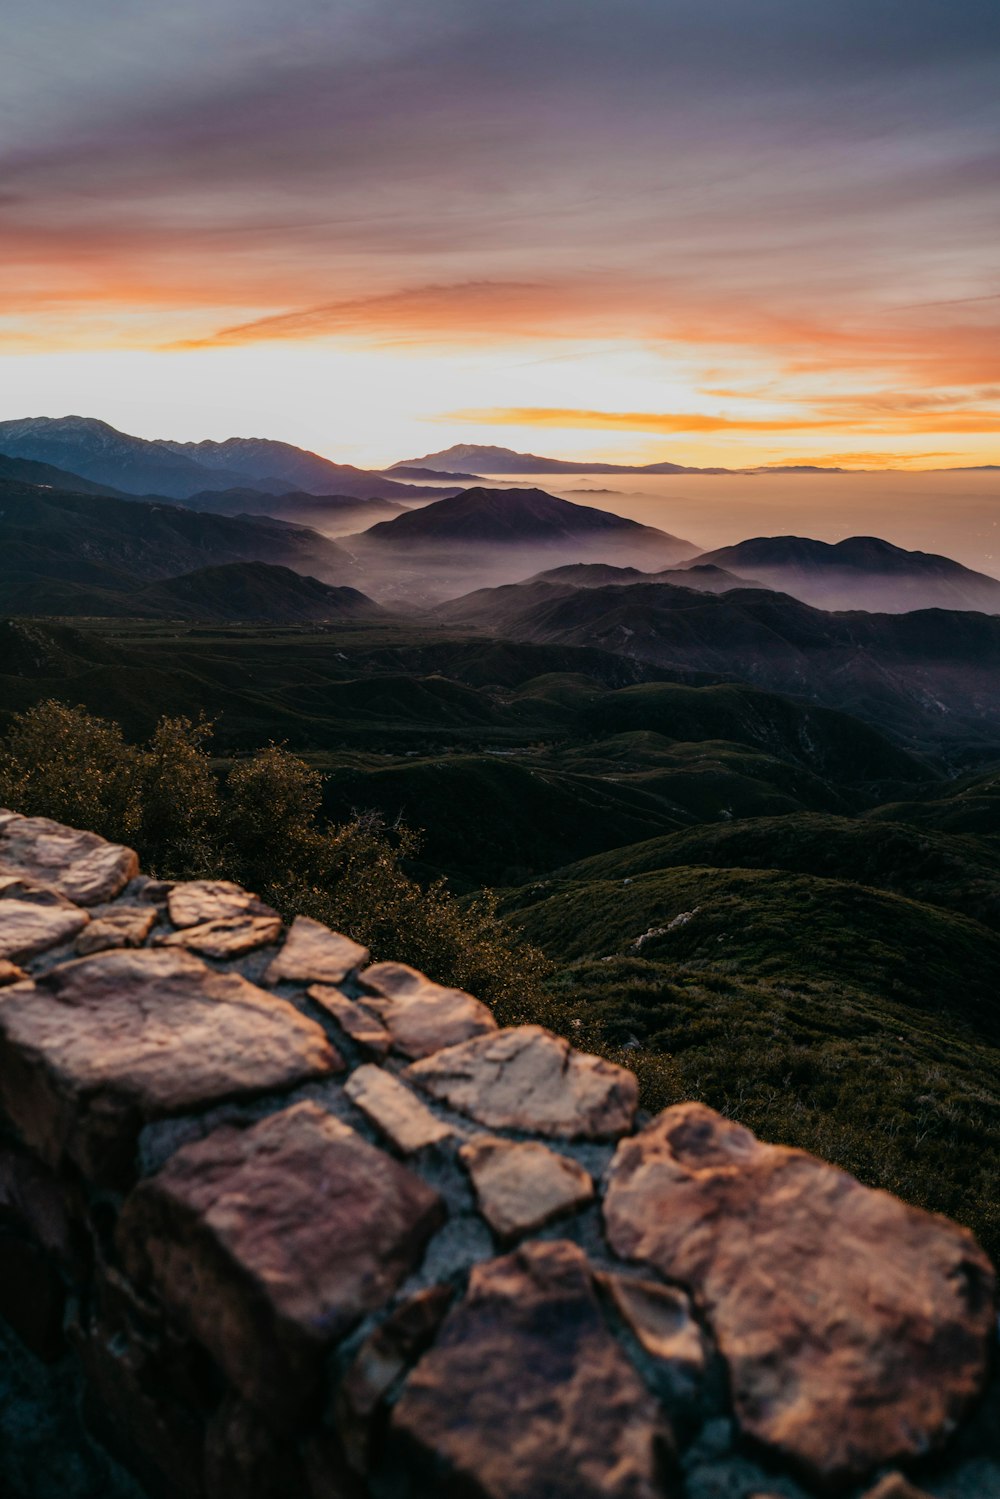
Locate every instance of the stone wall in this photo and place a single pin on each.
(286, 1223)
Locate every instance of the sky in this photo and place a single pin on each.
(707, 231)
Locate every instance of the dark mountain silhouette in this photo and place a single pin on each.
(522, 517)
(333, 514)
(929, 677)
(259, 459)
(46, 476)
(706, 578)
(257, 591)
(52, 544)
(862, 572)
(176, 470)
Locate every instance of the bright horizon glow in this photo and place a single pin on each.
(633, 232)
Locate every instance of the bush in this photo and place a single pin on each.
(258, 823)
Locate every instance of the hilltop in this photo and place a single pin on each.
(863, 572)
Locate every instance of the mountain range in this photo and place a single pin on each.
(929, 676)
(101, 454)
(61, 552)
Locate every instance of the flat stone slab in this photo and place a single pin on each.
(395, 1109)
(522, 1185)
(855, 1328)
(526, 1392)
(271, 1242)
(83, 867)
(422, 1017)
(313, 954)
(226, 936)
(129, 926)
(32, 925)
(355, 1020)
(526, 1078)
(99, 1046)
(196, 901)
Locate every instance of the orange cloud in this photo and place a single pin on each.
(681, 422)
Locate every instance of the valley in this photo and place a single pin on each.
(754, 841)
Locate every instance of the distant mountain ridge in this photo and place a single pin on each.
(105, 456)
(862, 572)
(498, 460)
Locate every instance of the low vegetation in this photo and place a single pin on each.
(258, 823)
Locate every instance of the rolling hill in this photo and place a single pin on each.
(54, 544)
(929, 677)
(248, 591)
(862, 572)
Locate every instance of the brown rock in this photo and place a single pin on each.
(354, 1020)
(271, 1242)
(227, 937)
(397, 1112)
(195, 902)
(127, 926)
(423, 1017)
(661, 1319)
(99, 1046)
(314, 954)
(382, 1359)
(527, 1393)
(79, 865)
(28, 927)
(855, 1328)
(529, 1079)
(10, 973)
(520, 1186)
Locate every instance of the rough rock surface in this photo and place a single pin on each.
(312, 954)
(263, 1316)
(33, 926)
(128, 926)
(194, 902)
(394, 1109)
(521, 1186)
(79, 865)
(100, 1045)
(271, 1242)
(527, 1393)
(855, 1328)
(529, 1079)
(355, 1020)
(422, 1017)
(226, 936)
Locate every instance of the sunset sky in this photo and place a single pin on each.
(714, 231)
